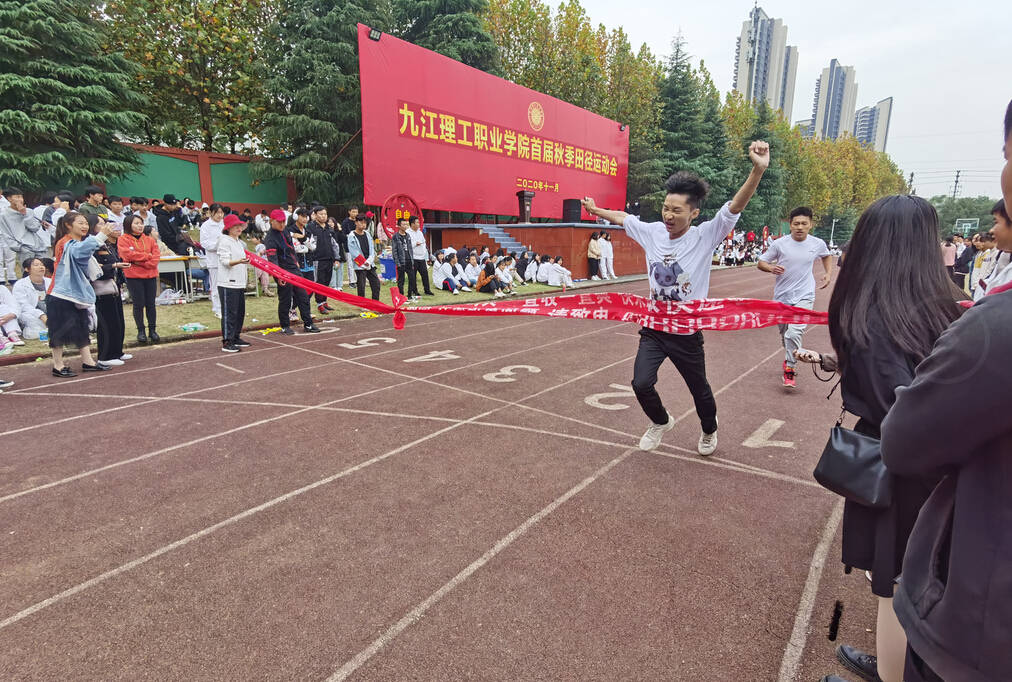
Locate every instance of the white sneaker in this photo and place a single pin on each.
(595, 277)
(456, 292)
(499, 294)
(652, 438)
(126, 356)
(113, 363)
(465, 289)
(707, 444)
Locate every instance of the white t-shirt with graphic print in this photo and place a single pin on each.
(679, 269)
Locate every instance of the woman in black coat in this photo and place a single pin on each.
(892, 300)
(108, 300)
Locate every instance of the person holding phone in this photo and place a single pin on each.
(232, 274)
(141, 251)
(108, 302)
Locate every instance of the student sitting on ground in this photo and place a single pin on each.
(559, 276)
(30, 294)
(511, 264)
(502, 271)
(442, 275)
(544, 268)
(457, 271)
(531, 271)
(471, 271)
(488, 280)
(521, 265)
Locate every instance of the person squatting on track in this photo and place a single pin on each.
(678, 256)
(893, 299)
(281, 252)
(791, 258)
(231, 280)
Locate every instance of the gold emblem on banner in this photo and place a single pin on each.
(536, 116)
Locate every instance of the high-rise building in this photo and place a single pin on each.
(765, 66)
(871, 124)
(835, 100)
(806, 127)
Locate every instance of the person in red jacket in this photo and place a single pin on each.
(141, 251)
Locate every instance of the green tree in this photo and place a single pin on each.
(63, 102)
(199, 68)
(312, 130)
(450, 27)
(767, 206)
(949, 210)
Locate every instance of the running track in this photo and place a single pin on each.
(377, 505)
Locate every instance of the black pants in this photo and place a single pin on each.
(593, 266)
(422, 269)
(233, 313)
(686, 353)
(916, 670)
(374, 282)
(111, 326)
(286, 292)
(491, 286)
(324, 271)
(142, 293)
(407, 269)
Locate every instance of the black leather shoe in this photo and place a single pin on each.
(142, 337)
(155, 338)
(287, 331)
(97, 367)
(856, 661)
(64, 373)
(312, 329)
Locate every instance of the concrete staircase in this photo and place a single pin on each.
(501, 237)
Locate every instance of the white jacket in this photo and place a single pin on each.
(543, 272)
(27, 298)
(210, 233)
(531, 274)
(442, 272)
(418, 248)
(607, 248)
(472, 271)
(557, 275)
(229, 249)
(8, 306)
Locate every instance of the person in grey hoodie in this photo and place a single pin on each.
(21, 232)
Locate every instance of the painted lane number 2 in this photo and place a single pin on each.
(623, 391)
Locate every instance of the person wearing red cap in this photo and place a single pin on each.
(281, 252)
(232, 260)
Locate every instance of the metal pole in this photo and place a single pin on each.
(832, 231)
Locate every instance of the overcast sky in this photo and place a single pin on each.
(946, 65)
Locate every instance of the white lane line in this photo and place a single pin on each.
(231, 368)
(153, 368)
(212, 436)
(799, 634)
(412, 616)
(416, 613)
(261, 377)
(266, 505)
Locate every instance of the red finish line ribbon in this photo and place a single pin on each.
(674, 317)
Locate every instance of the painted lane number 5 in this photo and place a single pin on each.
(365, 343)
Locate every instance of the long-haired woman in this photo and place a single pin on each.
(893, 298)
(108, 302)
(141, 251)
(71, 294)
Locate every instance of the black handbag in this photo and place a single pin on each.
(851, 466)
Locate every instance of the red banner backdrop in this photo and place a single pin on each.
(680, 317)
(455, 138)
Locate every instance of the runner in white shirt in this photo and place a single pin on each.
(678, 256)
(791, 258)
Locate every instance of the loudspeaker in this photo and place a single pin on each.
(571, 210)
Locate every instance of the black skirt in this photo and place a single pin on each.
(68, 325)
(876, 539)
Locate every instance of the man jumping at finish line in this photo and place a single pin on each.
(679, 256)
(791, 258)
